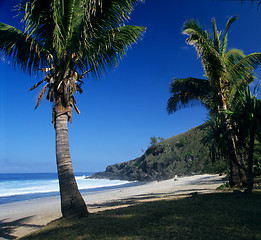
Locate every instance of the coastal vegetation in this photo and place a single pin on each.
(209, 216)
(66, 40)
(184, 154)
(233, 111)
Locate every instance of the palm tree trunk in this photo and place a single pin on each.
(72, 203)
(233, 175)
(250, 161)
(237, 170)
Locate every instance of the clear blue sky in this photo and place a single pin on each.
(121, 111)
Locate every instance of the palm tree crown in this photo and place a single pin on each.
(68, 38)
(223, 69)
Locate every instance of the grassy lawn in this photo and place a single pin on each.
(211, 216)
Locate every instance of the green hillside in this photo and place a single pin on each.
(183, 154)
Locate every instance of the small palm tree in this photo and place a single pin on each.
(226, 72)
(66, 39)
(245, 115)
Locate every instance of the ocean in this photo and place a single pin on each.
(26, 186)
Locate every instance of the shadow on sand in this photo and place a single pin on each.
(8, 228)
(146, 197)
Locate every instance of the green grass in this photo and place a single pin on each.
(212, 216)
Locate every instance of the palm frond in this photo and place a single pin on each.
(41, 95)
(59, 39)
(224, 43)
(79, 88)
(246, 64)
(24, 52)
(38, 20)
(233, 56)
(67, 15)
(74, 106)
(50, 94)
(117, 10)
(105, 51)
(66, 92)
(36, 85)
(197, 36)
(186, 92)
(239, 85)
(73, 16)
(216, 36)
(210, 57)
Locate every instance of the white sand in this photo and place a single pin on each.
(20, 218)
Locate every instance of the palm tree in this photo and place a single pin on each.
(245, 115)
(66, 39)
(225, 71)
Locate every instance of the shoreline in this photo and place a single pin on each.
(44, 195)
(20, 218)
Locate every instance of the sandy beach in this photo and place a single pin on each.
(20, 218)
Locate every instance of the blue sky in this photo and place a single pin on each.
(123, 109)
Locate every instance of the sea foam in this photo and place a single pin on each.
(17, 186)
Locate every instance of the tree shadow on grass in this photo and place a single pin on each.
(8, 228)
(208, 216)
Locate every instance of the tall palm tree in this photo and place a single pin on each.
(225, 70)
(66, 39)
